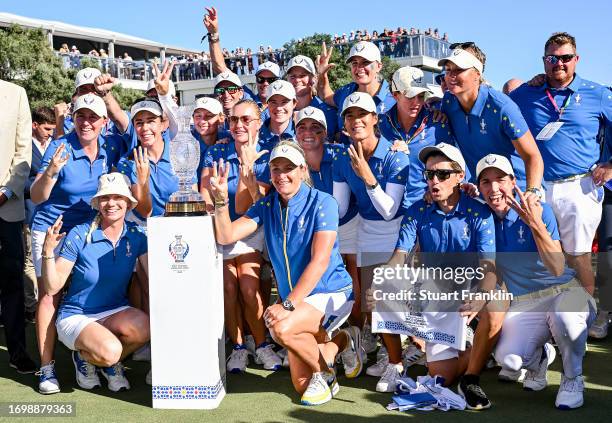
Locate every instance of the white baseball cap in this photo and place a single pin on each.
(365, 49)
(228, 76)
(450, 151)
(211, 104)
(303, 62)
(171, 88)
(362, 100)
(496, 161)
(92, 102)
(409, 81)
(311, 113)
(86, 76)
(146, 105)
(288, 152)
(463, 59)
(114, 183)
(269, 66)
(281, 87)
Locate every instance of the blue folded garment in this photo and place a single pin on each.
(421, 399)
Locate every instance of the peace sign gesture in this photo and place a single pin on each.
(141, 160)
(249, 154)
(218, 180)
(529, 209)
(322, 63)
(360, 164)
(211, 22)
(162, 79)
(53, 237)
(58, 161)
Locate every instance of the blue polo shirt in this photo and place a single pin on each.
(289, 233)
(331, 116)
(469, 227)
(162, 180)
(520, 264)
(432, 133)
(268, 140)
(489, 128)
(221, 134)
(101, 272)
(573, 149)
(387, 166)
(383, 99)
(77, 182)
(228, 153)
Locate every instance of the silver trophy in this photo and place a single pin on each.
(185, 157)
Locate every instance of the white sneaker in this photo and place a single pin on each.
(332, 381)
(318, 391)
(412, 355)
(507, 375)
(149, 377)
(238, 360)
(388, 380)
(536, 380)
(382, 360)
(143, 353)
(369, 341)
(115, 376)
(249, 343)
(47, 382)
(268, 357)
(599, 328)
(86, 375)
(284, 355)
(570, 393)
(353, 355)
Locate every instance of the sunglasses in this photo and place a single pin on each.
(246, 120)
(441, 174)
(553, 59)
(232, 89)
(263, 80)
(463, 46)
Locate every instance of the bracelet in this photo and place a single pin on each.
(47, 257)
(213, 37)
(221, 203)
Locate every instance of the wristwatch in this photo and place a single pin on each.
(288, 305)
(213, 37)
(537, 191)
(372, 187)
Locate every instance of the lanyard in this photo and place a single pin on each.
(554, 103)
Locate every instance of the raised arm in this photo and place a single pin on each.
(324, 90)
(162, 86)
(211, 22)
(45, 181)
(55, 271)
(104, 84)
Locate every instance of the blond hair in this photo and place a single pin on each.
(95, 224)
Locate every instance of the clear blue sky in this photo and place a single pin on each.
(512, 33)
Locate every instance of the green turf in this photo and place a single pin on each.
(262, 396)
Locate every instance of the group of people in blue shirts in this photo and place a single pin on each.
(324, 187)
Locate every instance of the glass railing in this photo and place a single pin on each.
(193, 70)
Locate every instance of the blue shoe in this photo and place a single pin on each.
(86, 375)
(47, 379)
(115, 375)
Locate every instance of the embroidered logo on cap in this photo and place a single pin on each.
(456, 51)
(490, 159)
(354, 98)
(309, 111)
(277, 86)
(89, 99)
(298, 59)
(87, 75)
(359, 47)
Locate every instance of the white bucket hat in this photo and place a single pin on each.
(113, 184)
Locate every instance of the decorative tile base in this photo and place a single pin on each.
(187, 392)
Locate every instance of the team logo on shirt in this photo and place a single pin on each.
(483, 127)
(301, 223)
(521, 232)
(380, 169)
(466, 232)
(578, 98)
(128, 249)
(178, 250)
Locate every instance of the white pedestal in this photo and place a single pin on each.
(186, 303)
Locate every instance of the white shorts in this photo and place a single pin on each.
(577, 205)
(347, 236)
(438, 352)
(69, 328)
(38, 239)
(250, 244)
(376, 241)
(335, 307)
